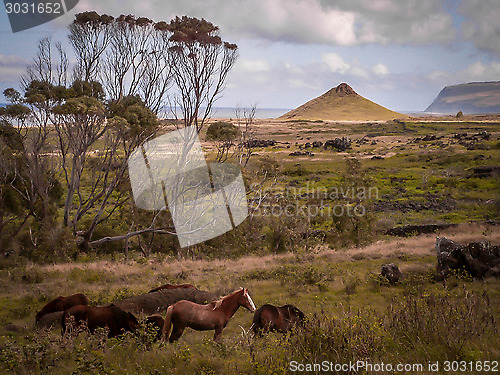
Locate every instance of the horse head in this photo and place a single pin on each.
(246, 300)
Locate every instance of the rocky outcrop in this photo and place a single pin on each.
(339, 144)
(259, 143)
(479, 259)
(408, 230)
(301, 153)
(344, 89)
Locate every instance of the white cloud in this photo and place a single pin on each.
(252, 66)
(475, 72)
(380, 69)
(335, 62)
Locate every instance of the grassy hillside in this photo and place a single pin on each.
(341, 103)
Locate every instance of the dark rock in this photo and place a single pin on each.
(317, 144)
(479, 259)
(408, 230)
(259, 143)
(484, 135)
(391, 272)
(429, 138)
(340, 144)
(486, 171)
(459, 135)
(301, 153)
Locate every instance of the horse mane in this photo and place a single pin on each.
(218, 302)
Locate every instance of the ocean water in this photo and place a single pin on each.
(230, 113)
(260, 113)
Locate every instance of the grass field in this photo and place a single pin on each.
(353, 314)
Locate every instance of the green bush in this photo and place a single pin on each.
(222, 131)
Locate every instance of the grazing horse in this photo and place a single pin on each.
(170, 286)
(61, 304)
(281, 319)
(214, 315)
(112, 317)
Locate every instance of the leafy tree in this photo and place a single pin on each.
(201, 61)
(223, 134)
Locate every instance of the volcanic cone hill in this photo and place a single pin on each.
(341, 103)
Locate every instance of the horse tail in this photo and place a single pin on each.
(167, 324)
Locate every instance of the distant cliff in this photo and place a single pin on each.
(470, 98)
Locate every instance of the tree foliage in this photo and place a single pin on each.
(66, 137)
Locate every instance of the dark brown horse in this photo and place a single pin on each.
(61, 304)
(214, 315)
(280, 319)
(171, 286)
(112, 317)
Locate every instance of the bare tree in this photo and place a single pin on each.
(128, 55)
(200, 64)
(245, 119)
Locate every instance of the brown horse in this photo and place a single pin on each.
(171, 286)
(281, 319)
(61, 304)
(111, 317)
(214, 315)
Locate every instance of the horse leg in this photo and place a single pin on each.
(177, 332)
(218, 333)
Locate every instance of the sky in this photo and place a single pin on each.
(397, 53)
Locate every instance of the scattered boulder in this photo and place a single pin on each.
(408, 230)
(479, 259)
(259, 143)
(340, 144)
(429, 137)
(391, 272)
(317, 144)
(486, 171)
(459, 135)
(301, 153)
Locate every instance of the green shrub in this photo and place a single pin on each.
(222, 131)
